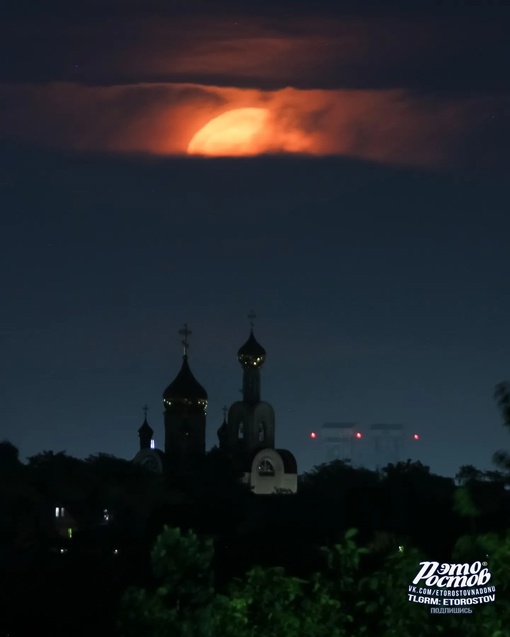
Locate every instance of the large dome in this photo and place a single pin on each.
(185, 388)
(251, 354)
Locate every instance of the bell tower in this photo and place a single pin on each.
(145, 433)
(185, 404)
(250, 425)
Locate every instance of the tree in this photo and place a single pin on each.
(468, 474)
(343, 599)
(266, 601)
(19, 501)
(490, 619)
(407, 468)
(127, 490)
(336, 477)
(9, 458)
(181, 603)
(502, 395)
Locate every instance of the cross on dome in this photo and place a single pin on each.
(185, 332)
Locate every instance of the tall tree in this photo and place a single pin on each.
(181, 601)
(502, 395)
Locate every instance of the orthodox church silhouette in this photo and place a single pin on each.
(246, 436)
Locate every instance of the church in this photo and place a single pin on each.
(246, 436)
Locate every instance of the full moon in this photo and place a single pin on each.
(241, 131)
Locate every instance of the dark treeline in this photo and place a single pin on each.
(76, 534)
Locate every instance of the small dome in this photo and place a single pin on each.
(146, 430)
(251, 354)
(185, 388)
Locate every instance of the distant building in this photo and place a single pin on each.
(340, 441)
(381, 445)
(388, 439)
(64, 523)
(247, 435)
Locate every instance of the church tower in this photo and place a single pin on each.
(185, 403)
(251, 421)
(247, 435)
(149, 457)
(145, 433)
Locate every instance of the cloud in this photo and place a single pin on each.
(127, 77)
(250, 49)
(382, 125)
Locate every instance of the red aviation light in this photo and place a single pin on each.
(313, 435)
(359, 435)
(416, 437)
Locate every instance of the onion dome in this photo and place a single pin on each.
(146, 431)
(251, 354)
(185, 388)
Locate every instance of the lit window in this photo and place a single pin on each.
(59, 512)
(266, 468)
(70, 533)
(153, 444)
(106, 515)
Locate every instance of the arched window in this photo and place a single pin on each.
(240, 431)
(266, 468)
(262, 431)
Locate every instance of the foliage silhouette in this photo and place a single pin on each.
(338, 601)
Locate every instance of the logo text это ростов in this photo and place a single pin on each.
(456, 584)
(452, 575)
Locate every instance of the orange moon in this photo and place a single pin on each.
(241, 131)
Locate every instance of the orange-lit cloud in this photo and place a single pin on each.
(364, 84)
(162, 119)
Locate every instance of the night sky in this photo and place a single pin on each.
(368, 226)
